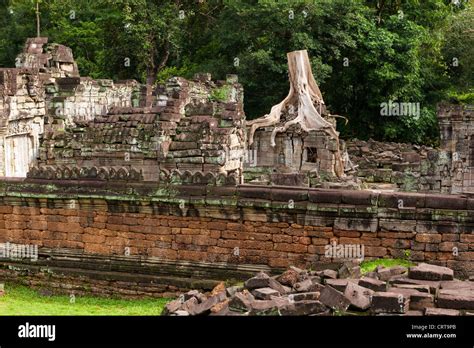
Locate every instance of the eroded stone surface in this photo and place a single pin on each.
(426, 271)
(411, 299)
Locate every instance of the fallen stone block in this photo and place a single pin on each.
(358, 296)
(398, 277)
(386, 273)
(221, 308)
(421, 300)
(205, 307)
(289, 278)
(374, 275)
(389, 302)
(433, 285)
(327, 273)
(218, 289)
(263, 280)
(305, 307)
(441, 312)
(316, 287)
(302, 273)
(373, 284)
(181, 313)
(334, 299)
(231, 290)
(303, 286)
(305, 296)
(191, 293)
(417, 287)
(172, 307)
(412, 313)
(315, 279)
(275, 285)
(189, 305)
(241, 301)
(426, 271)
(268, 307)
(264, 293)
(349, 270)
(406, 292)
(456, 285)
(338, 284)
(456, 298)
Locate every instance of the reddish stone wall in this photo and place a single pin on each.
(271, 227)
(277, 244)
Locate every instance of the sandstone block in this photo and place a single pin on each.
(426, 271)
(373, 284)
(389, 302)
(334, 299)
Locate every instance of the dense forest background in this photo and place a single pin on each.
(363, 52)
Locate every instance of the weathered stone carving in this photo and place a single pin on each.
(93, 173)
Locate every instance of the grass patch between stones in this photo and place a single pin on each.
(370, 265)
(21, 300)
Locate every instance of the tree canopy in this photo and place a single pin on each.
(363, 52)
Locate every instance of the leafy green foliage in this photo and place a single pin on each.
(363, 52)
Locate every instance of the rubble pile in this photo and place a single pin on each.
(420, 290)
(399, 166)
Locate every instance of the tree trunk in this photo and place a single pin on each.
(305, 98)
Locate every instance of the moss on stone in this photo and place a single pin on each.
(220, 94)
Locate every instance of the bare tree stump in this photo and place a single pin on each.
(304, 98)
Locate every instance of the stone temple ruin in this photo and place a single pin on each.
(141, 190)
(58, 125)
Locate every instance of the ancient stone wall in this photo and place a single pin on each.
(193, 134)
(456, 123)
(297, 158)
(44, 85)
(398, 166)
(407, 167)
(22, 108)
(56, 124)
(141, 227)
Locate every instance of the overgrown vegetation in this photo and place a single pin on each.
(370, 265)
(363, 52)
(21, 300)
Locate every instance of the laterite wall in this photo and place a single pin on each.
(192, 232)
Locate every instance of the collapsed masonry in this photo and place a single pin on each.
(55, 124)
(58, 125)
(46, 82)
(192, 133)
(420, 290)
(406, 167)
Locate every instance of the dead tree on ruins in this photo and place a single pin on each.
(304, 100)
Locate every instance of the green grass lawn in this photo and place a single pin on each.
(21, 300)
(369, 266)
